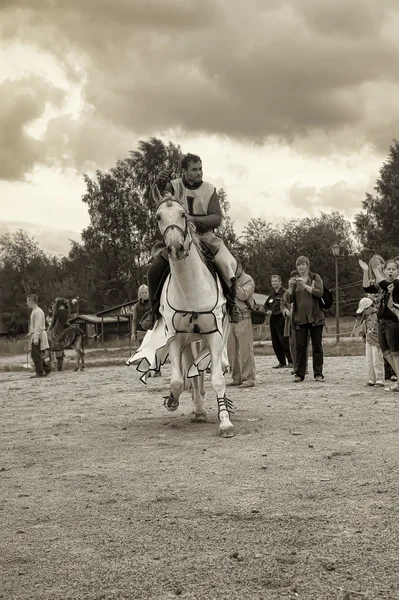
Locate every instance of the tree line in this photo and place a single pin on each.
(111, 262)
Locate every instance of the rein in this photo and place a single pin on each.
(185, 232)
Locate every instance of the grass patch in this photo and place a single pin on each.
(13, 347)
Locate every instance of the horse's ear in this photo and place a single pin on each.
(156, 194)
(179, 191)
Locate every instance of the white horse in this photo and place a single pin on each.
(193, 305)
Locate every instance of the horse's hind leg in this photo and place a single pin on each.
(75, 347)
(200, 415)
(177, 380)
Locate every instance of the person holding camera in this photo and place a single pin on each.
(305, 292)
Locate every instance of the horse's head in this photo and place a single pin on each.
(60, 304)
(174, 224)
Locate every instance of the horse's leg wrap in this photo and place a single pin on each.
(170, 402)
(225, 404)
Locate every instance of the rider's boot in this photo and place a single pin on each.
(156, 277)
(234, 311)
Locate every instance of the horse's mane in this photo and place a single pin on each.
(191, 226)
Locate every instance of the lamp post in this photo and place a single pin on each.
(335, 251)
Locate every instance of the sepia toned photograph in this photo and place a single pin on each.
(199, 299)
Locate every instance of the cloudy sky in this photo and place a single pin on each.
(291, 104)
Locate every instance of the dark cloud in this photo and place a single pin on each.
(22, 103)
(289, 72)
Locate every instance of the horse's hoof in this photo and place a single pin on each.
(82, 368)
(199, 418)
(171, 403)
(227, 432)
(77, 369)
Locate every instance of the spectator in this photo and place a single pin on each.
(289, 327)
(38, 343)
(141, 307)
(374, 358)
(277, 322)
(305, 292)
(240, 345)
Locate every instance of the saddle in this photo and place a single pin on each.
(209, 254)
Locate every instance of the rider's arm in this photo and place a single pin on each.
(211, 220)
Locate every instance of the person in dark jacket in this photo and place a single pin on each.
(305, 292)
(280, 342)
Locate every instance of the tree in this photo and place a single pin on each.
(122, 226)
(314, 238)
(378, 226)
(25, 269)
(226, 229)
(260, 241)
(269, 249)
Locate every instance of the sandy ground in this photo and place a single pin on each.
(104, 494)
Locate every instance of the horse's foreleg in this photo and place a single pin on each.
(200, 415)
(177, 379)
(82, 355)
(215, 344)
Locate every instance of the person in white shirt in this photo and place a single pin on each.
(38, 343)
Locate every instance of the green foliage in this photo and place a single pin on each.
(111, 262)
(24, 269)
(226, 229)
(269, 250)
(122, 226)
(378, 225)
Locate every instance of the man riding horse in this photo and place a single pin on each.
(202, 203)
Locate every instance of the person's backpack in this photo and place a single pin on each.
(327, 299)
(258, 313)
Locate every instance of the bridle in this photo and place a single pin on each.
(184, 232)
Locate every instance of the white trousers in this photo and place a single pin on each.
(375, 364)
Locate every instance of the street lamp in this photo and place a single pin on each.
(335, 250)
